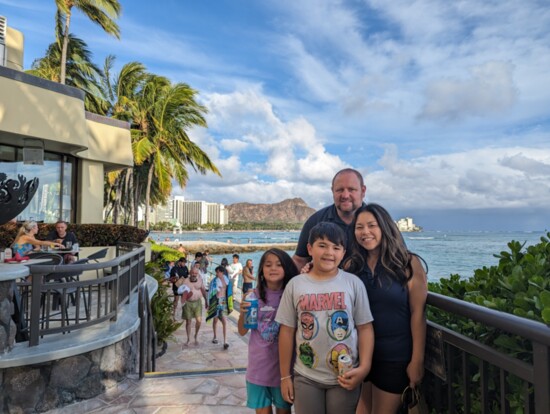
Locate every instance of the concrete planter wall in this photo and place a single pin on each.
(42, 387)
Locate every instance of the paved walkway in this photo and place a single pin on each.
(199, 379)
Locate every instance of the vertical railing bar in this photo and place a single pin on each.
(504, 404)
(466, 382)
(484, 386)
(541, 366)
(450, 390)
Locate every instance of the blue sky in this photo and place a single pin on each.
(442, 105)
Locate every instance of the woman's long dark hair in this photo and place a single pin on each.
(289, 269)
(394, 256)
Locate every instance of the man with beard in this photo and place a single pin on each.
(193, 289)
(348, 192)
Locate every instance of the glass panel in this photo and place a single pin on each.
(53, 200)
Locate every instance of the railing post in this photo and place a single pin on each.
(36, 298)
(541, 366)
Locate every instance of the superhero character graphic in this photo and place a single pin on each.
(334, 353)
(339, 325)
(306, 354)
(309, 325)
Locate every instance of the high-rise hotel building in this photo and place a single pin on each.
(184, 212)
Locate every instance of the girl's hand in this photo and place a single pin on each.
(287, 390)
(307, 267)
(244, 305)
(352, 379)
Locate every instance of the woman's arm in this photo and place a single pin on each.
(35, 242)
(286, 351)
(418, 292)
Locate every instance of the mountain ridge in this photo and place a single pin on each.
(292, 210)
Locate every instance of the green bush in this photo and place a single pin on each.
(519, 285)
(87, 234)
(161, 306)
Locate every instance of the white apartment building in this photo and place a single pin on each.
(182, 212)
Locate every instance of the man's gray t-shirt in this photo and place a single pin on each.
(324, 314)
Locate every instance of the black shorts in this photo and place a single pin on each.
(389, 376)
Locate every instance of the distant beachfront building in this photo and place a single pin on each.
(184, 212)
(407, 224)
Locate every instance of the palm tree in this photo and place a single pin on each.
(102, 12)
(164, 113)
(120, 91)
(81, 72)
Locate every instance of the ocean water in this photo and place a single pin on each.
(446, 253)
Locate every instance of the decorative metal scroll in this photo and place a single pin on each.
(15, 196)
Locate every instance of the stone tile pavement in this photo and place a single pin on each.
(199, 379)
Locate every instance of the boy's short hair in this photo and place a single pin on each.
(182, 259)
(329, 231)
(236, 255)
(198, 254)
(220, 269)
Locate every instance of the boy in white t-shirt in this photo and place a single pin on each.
(326, 314)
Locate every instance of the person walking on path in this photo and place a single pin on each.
(192, 304)
(263, 383)
(397, 289)
(348, 192)
(235, 271)
(324, 315)
(220, 303)
(177, 275)
(248, 276)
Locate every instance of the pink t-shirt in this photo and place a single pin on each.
(263, 346)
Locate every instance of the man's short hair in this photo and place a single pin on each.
(182, 260)
(349, 170)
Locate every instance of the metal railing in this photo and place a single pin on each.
(466, 376)
(148, 336)
(57, 300)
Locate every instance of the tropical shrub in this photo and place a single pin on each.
(87, 234)
(161, 306)
(520, 285)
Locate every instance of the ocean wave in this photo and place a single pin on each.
(420, 238)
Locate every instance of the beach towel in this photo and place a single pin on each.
(213, 299)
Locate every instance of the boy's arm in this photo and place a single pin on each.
(354, 377)
(286, 351)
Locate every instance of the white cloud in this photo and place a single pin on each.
(466, 180)
(490, 89)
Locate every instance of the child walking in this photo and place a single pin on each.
(220, 303)
(263, 384)
(326, 314)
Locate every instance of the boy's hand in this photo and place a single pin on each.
(287, 390)
(352, 379)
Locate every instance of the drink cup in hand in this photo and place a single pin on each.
(69, 245)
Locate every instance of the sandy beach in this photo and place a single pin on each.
(216, 247)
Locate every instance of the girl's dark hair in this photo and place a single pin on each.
(329, 231)
(394, 255)
(289, 268)
(224, 262)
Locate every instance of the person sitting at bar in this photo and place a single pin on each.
(66, 238)
(25, 241)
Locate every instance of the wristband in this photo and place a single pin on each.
(287, 377)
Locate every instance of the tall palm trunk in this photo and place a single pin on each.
(148, 194)
(65, 48)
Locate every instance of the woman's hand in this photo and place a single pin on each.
(415, 372)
